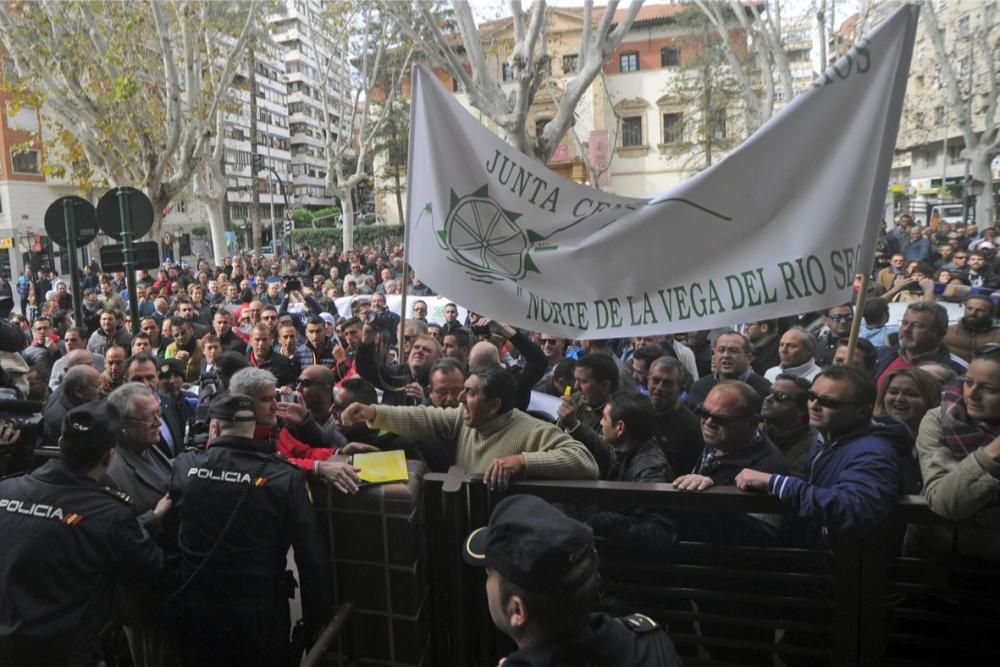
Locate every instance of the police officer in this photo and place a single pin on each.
(240, 506)
(66, 541)
(541, 583)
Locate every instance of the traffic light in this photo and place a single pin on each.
(257, 163)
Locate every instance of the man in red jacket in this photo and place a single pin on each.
(261, 385)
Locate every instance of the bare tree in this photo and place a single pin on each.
(507, 105)
(768, 70)
(133, 90)
(972, 106)
(354, 118)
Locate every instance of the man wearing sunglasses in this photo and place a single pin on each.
(854, 467)
(838, 322)
(786, 421)
(729, 419)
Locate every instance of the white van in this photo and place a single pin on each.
(950, 213)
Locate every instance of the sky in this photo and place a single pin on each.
(487, 10)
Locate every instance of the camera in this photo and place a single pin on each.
(293, 285)
(26, 416)
(196, 429)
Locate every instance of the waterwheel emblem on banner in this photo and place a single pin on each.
(485, 239)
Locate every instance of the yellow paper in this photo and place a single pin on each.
(382, 467)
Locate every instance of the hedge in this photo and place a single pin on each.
(363, 235)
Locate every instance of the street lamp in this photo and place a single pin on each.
(971, 190)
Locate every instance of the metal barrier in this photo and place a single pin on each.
(857, 603)
(329, 633)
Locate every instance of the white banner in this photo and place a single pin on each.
(435, 306)
(778, 227)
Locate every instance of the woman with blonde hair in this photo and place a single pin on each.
(907, 395)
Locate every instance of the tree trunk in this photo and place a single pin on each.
(347, 208)
(217, 224)
(399, 194)
(254, 190)
(979, 169)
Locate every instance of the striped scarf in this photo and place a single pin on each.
(962, 435)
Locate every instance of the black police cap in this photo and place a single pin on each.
(534, 545)
(232, 408)
(95, 420)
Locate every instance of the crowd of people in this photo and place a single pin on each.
(257, 358)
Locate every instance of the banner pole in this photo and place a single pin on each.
(859, 309)
(406, 219)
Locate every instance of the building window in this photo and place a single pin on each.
(670, 56)
(629, 61)
(570, 62)
(505, 72)
(965, 68)
(717, 125)
(632, 131)
(963, 26)
(540, 126)
(25, 162)
(673, 128)
(939, 115)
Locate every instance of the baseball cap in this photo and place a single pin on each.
(534, 545)
(328, 318)
(232, 408)
(985, 244)
(95, 421)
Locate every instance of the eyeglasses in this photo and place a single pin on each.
(152, 420)
(827, 402)
(550, 341)
(846, 317)
(306, 383)
(721, 420)
(782, 397)
(447, 392)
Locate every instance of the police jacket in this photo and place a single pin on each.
(66, 541)
(633, 640)
(249, 564)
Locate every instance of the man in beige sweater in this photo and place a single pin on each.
(487, 434)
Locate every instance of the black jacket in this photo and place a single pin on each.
(762, 455)
(283, 368)
(678, 433)
(535, 365)
(633, 640)
(277, 513)
(172, 417)
(367, 365)
(66, 541)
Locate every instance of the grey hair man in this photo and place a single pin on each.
(142, 471)
(795, 351)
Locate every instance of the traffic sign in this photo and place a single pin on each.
(147, 256)
(288, 226)
(140, 213)
(83, 220)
